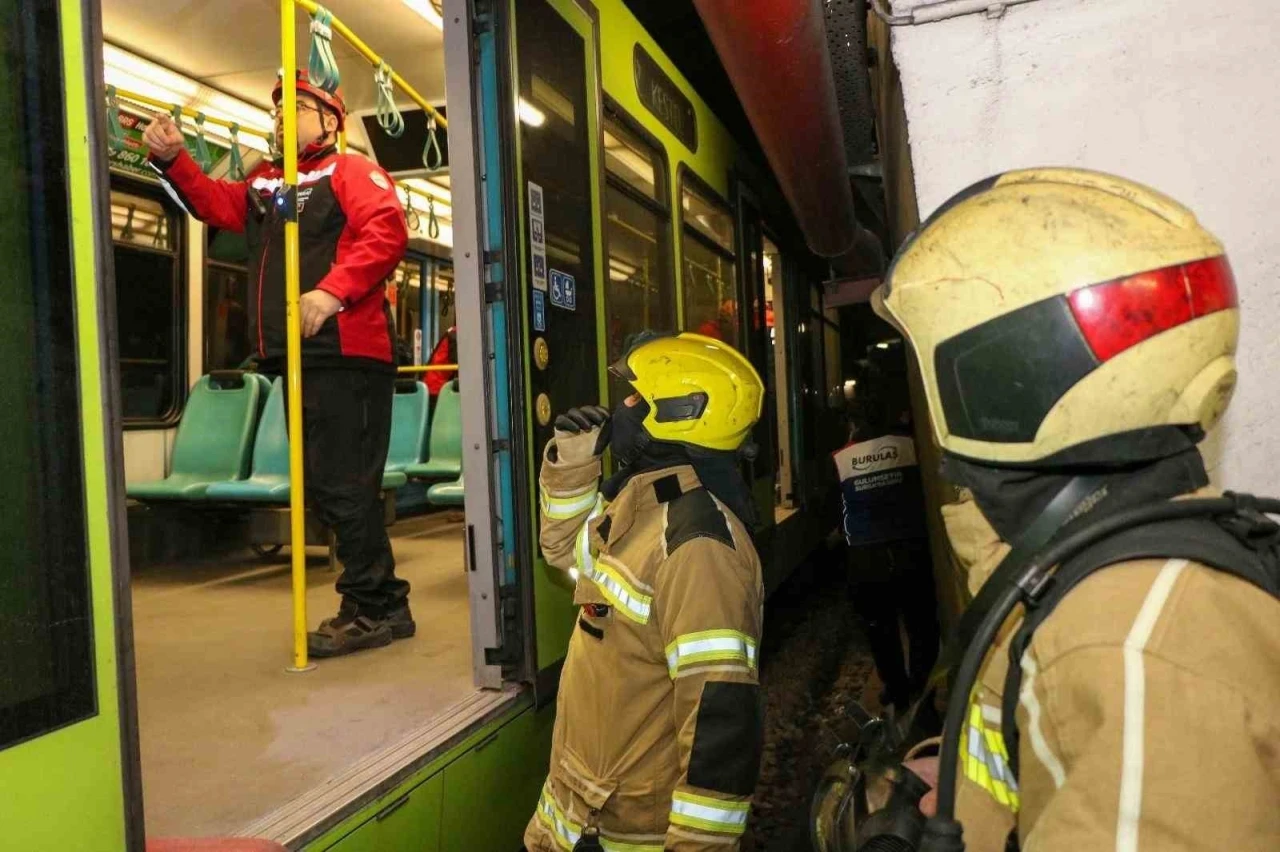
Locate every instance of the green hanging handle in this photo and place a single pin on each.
(322, 65)
(204, 157)
(161, 238)
(115, 131)
(126, 233)
(389, 117)
(433, 224)
(411, 217)
(432, 156)
(236, 169)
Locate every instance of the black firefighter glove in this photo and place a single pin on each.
(582, 434)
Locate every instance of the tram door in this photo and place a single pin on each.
(557, 120)
(758, 347)
(65, 778)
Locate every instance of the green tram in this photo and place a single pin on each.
(143, 645)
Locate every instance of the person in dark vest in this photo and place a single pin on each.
(352, 234)
(890, 571)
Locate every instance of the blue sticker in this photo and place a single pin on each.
(539, 311)
(564, 291)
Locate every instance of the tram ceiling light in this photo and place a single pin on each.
(427, 11)
(882, 346)
(530, 114)
(124, 70)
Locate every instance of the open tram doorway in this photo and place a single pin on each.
(230, 742)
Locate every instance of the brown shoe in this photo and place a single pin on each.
(344, 634)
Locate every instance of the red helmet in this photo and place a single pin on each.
(332, 100)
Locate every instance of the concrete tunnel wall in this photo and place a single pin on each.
(1180, 94)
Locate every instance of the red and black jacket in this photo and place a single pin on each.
(351, 232)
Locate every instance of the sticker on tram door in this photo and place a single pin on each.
(564, 292)
(539, 311)
(537, 237)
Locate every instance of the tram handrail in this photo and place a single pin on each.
(375, 60)
(428, 368)
(190, 112)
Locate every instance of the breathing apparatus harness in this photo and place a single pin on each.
(1231, 533)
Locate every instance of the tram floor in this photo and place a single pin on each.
(227, 734)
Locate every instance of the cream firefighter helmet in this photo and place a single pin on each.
(1051, 308)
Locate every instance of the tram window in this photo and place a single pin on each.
(226, 308)
(706, 216)
(708, 266)
(149, 308)
(633, 162)
(710, 292)
(46, 647)
(641, 293)
(404, 291)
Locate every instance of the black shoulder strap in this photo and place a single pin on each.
(1243, 544)
(1046, 525)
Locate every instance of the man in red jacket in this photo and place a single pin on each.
(352, 234)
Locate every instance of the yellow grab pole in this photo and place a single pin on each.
(287, 202)
(375, 60)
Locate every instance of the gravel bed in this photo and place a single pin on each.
(814, 662)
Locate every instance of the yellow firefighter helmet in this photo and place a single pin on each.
(1049, 308)
(700, 390)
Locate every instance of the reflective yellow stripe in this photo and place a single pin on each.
(582, 557)
(562, 508)
(619, 591)
(625, 598)
(986, 762)
(567, 832)
(693, 811)
(730, 647)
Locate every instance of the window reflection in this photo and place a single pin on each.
(226, 301)
(149, 300)
(641, 292)
(707, 217)
(630, 161)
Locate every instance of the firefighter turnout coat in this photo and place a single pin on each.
(1149, 712)
(658, 718)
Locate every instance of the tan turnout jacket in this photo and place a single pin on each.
(1149, 718)
(658, 719)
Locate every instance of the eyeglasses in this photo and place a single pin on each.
(303, 106)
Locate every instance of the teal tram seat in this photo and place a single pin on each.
(410, 408)
(446, 493)
(269, 482)
(214, 437)
(444, 460)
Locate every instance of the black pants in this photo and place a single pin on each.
(346, 428)
(889, 582)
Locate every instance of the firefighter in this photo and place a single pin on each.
(1076, 335)
(658, 719)
(352, 234)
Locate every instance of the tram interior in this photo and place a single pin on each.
(228, 737)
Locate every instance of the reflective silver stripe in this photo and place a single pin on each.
(617, 590)
(703, 812)
(625, 598)
(567, 832)
(563, 508)
(711, 646)
(582, 547)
